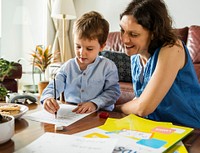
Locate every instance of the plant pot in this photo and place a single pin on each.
(41, 86)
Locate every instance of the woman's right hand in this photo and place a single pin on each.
(51, 105)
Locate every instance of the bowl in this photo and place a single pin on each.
(7, 128)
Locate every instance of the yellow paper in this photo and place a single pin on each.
(163, 134)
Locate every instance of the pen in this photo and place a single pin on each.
(54, 85)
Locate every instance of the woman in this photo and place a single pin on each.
(164, 79)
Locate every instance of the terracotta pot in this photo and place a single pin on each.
(41, 86)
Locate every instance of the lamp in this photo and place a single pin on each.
(63, 9)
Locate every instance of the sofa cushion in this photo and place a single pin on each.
(122, 62)
(114, 42)
(193, 43)
(127, 93)
(182, 33)
(197, 69)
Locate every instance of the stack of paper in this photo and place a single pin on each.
(130, 134)
(137, 134)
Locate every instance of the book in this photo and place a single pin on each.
(177, 148)
(137, 134)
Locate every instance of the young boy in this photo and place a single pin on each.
(88, 80)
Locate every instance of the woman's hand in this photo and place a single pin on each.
(51, 105)
(85, 107)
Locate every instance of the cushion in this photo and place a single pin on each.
(197, 69)
(122, 62)
(193, 43)
(114, 42)
(182, 33)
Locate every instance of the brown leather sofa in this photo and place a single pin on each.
(189, 35)
(10, 82)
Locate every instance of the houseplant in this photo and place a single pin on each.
(41, 59)
(5, 70)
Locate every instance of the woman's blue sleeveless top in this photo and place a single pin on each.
(181, 105)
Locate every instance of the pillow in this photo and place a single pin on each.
(182, 33)
(122, 62)
(193, 43)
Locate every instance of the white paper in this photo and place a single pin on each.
(62, 143)
(65, 116)
(124, 145)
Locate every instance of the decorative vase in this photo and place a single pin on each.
(41, 86)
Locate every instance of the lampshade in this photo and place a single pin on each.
(63, 9)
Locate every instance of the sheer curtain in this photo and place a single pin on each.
(55, 38)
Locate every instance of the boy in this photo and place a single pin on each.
(88, 80)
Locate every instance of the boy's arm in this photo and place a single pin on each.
(111, 91)
(49, 90)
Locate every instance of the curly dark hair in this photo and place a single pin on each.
(153, 15)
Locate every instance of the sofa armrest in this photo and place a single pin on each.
(127, 93)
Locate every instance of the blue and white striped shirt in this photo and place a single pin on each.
(98, 83)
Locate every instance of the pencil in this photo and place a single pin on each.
(54, 85)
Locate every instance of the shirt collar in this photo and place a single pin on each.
(90, 65)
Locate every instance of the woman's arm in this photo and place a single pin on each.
(170, 61)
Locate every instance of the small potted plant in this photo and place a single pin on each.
(5, 70)
(41, 59)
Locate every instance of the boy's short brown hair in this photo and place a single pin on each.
(91, 26)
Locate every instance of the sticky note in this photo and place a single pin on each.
(153, 143)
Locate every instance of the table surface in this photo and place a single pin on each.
(26, 131)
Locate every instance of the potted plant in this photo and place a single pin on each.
(41, 59)
(5, 70)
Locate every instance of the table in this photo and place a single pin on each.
(26, 131)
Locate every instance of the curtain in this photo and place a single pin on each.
(55, 36)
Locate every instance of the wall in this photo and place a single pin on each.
(110, 9)
(184, 13)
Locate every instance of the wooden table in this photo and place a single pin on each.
(26, 131)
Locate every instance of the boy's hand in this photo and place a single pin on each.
(85, 107)
(51, 105)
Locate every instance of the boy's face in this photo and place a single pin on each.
(86, 50)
